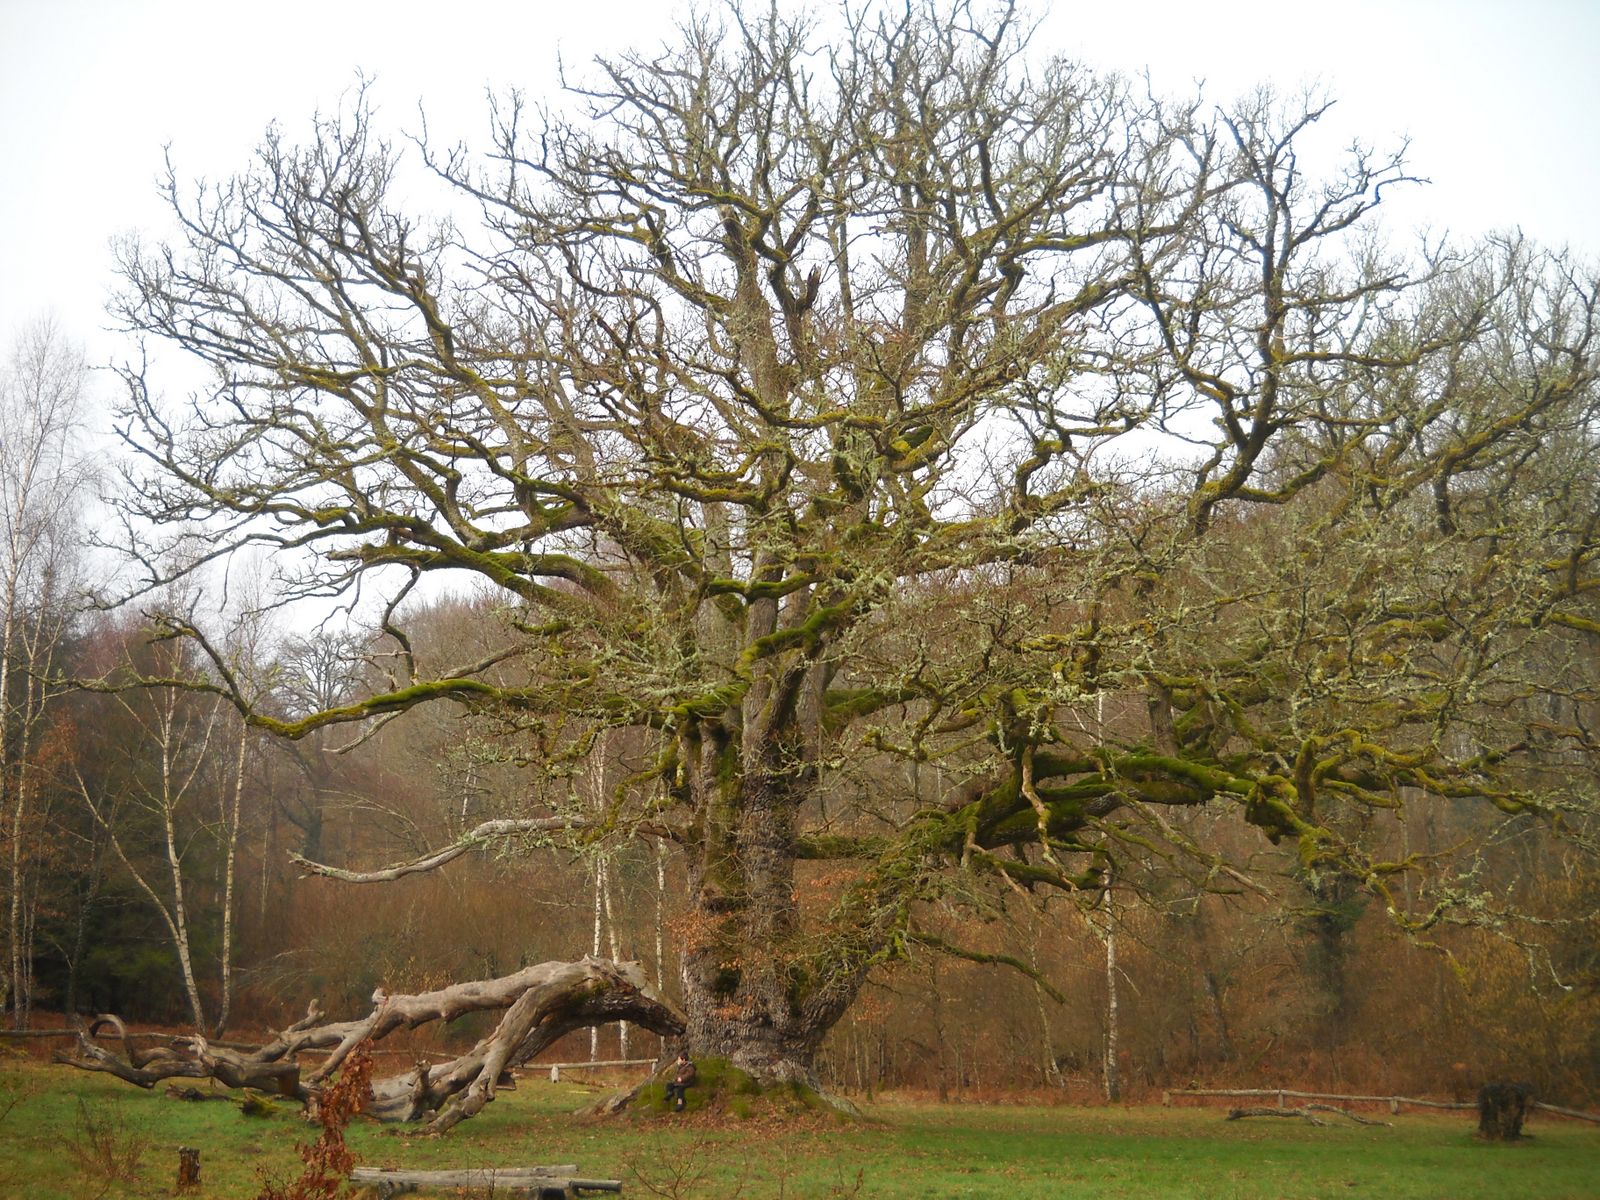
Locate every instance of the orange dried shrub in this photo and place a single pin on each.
(328, 1159)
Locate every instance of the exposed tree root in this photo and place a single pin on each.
(539, 1005)
(722, 1090)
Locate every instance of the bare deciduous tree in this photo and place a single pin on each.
(42, 477)
(824, 411)
(155, 798)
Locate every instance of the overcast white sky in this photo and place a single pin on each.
(1499, 97)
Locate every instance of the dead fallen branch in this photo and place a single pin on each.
(1282, 1095)
(538, 1005)
(1306, 1113)
(560, 1180)
(1395, 1103)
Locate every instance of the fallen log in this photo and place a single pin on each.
(538, 1005)
(1306, 1113)
(550, 1181)
(1282, 1094)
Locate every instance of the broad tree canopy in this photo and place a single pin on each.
(944, 463)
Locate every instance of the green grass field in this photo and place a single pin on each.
(51, 1148)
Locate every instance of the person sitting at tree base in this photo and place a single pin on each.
(683, 1078)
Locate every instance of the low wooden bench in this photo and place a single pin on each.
(556, 1182)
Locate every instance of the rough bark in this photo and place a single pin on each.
(188, 1169)
(748, 995)
(538, 1004)
(1502, 1108)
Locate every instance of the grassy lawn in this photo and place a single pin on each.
(47, 1150)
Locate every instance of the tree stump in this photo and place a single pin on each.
(1502, 1107)
(188, 1168)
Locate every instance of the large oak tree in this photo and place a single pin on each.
(954, 468)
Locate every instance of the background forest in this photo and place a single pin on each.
(193, 815)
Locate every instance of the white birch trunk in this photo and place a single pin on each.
(180, 909)
(599, 916)
(231, 813)
(661, 915)
(1113, 1072)
(174, 785)
(40, 477)
(14, 810)
(27, 883)
(611, 939)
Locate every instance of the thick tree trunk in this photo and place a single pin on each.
(747, 996)
(1502, 1107)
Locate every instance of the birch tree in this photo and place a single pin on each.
(159, 804)
(42, 479)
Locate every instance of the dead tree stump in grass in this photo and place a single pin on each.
(1502, 1107)
(188, 1168)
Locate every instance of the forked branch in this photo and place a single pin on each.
(538, 1005)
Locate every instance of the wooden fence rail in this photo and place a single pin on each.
(145, 1037)
(1395, 1103)
(1568, 1112)
(557, 1068)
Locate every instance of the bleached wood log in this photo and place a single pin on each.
(561, 1179)
(538, 1005)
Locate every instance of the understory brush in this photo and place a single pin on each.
(109, 1155)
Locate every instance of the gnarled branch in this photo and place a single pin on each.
(539, 1004)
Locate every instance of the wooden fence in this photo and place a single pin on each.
(141, 1037)
(557, 1068)
(1395, 1103)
